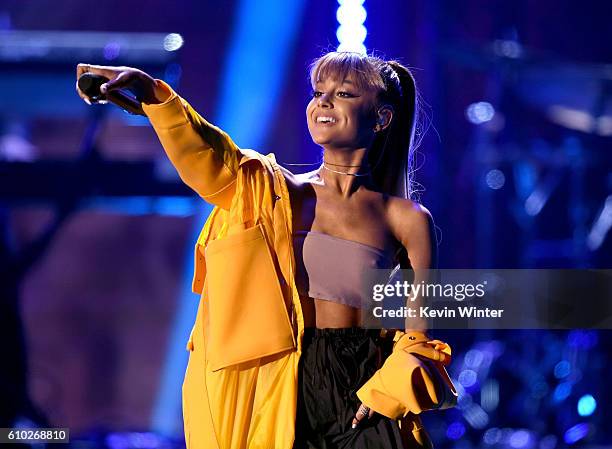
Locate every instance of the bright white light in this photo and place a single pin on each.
(351, 15)
(173, 42)
(351, 33)
(352, 46)
(480, 112)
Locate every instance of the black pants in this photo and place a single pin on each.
(335, 363)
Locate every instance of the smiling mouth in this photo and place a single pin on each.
(326, 120)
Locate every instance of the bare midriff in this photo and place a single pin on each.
(327, 314)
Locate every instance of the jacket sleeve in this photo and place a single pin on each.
(205, 157)
(413, 379)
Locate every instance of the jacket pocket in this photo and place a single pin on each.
(248, 317)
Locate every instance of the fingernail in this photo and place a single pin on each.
(353, 425)
(87, 101)
(103, 88)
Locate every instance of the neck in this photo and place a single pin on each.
(338, 169)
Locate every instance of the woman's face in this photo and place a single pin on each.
(341, 116)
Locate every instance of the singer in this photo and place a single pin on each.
(278, 357)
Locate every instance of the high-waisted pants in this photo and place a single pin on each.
(335, 363)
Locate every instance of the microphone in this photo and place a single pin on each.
(90, 83)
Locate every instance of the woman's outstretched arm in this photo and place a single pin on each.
(205, 157)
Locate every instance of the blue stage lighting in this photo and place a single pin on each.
(492, 436)
(476, 416)
(562, 391)
(455, 431)
(481, 112)
(467, 378)
(495, 179)
(473, 358)
(489, 395)
(582, 339)
(562, 369)
(586, 405)
(111, 51)
(521, 439)
(576, 433)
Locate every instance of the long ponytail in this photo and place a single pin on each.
(392, 153)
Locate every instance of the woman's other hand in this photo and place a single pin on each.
(144, 86)
(363, 412)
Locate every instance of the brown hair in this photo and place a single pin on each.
(391, 155)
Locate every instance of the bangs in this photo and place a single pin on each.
(363, 69)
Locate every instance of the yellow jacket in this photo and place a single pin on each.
(240, 388)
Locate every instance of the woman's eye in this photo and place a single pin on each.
(316, 93)
(345, 94)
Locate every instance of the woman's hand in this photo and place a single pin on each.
(145, 87)
(363, 412)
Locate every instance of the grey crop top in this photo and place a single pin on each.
(336, 269)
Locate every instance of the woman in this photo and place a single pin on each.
(282, 360)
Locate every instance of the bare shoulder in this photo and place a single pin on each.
(406, 216)
(413, 226)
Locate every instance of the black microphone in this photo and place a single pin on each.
(90, 83)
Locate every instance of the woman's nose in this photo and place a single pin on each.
(324, 101)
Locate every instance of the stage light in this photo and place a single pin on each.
(476, 416)
(562, 391)
(355, 33)
(521, 439)
(111, 51)
(562, 369)
(467, 378)
(465, 399)
(351, 32)
(473, 358)
(507, 48)
(576, 433)
(351, 14)
(455, 431)
(173, 42)
(352, 47)
(495, 179)
(586, 405)
(489, 395)
(601, 227)
(492, 436)
(481, 112)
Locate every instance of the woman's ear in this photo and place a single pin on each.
(384, 115)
